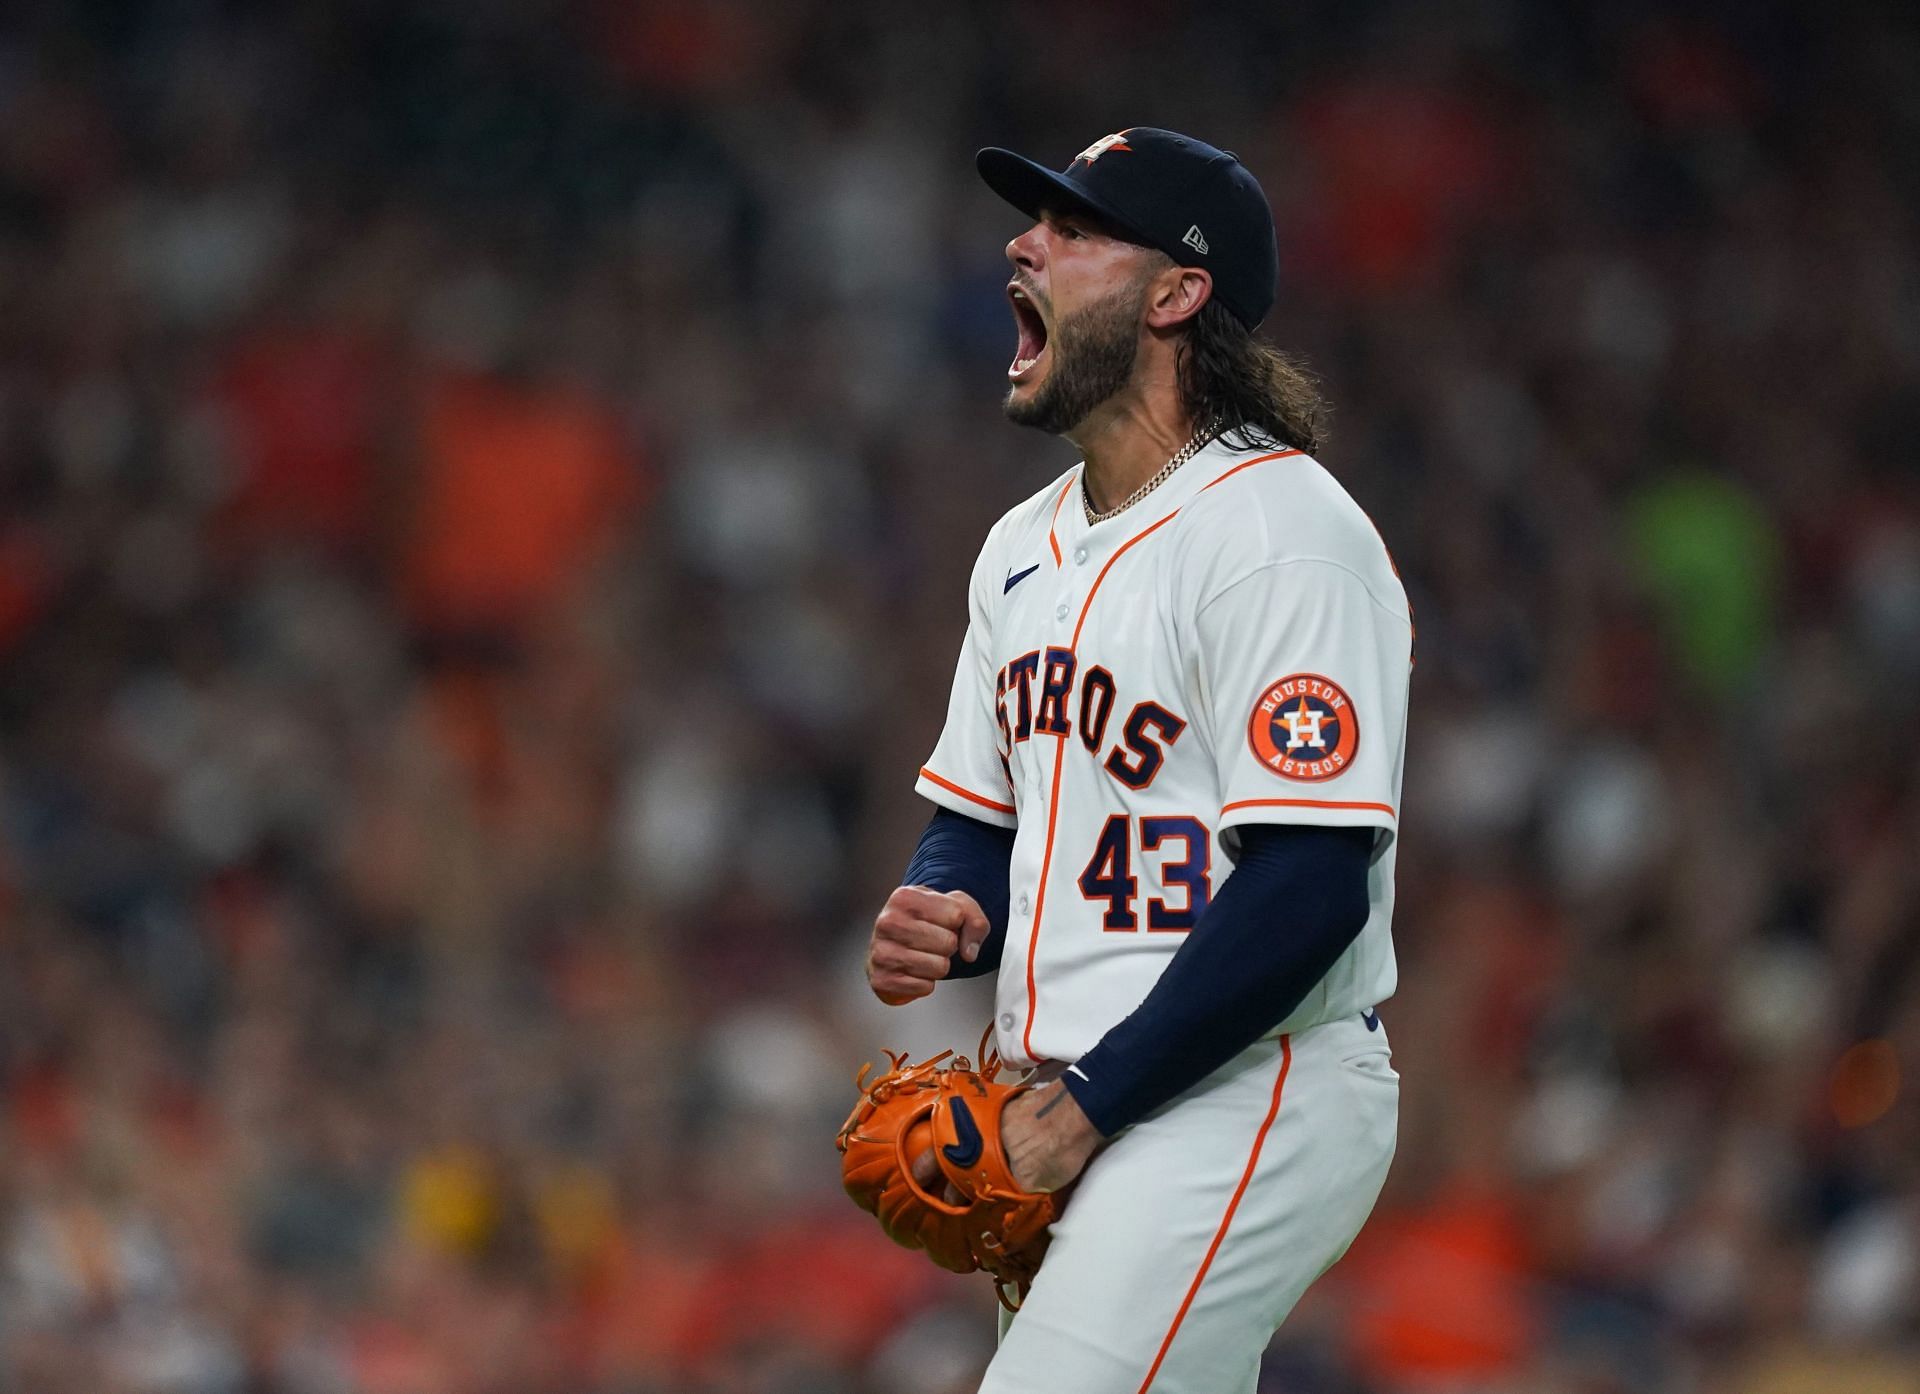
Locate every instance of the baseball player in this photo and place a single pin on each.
(1168, 789)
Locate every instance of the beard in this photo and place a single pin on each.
(1093, 352)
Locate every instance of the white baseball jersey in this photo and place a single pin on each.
(1234, 649)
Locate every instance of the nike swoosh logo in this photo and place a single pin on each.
(1076, 1070)
(966, 1151)
(1013, 580)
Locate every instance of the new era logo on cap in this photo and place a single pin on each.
(1195, 240)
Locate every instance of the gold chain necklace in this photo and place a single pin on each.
(1180, 457)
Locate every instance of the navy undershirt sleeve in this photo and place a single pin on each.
(1297, 898)
(957, 853)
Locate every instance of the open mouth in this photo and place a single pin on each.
(1032, 328)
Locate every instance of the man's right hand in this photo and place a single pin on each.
(915, 937)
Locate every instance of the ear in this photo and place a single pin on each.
(1176, 296)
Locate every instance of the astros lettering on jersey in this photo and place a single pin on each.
(1236, 649)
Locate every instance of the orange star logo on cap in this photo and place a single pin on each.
(1116, 141)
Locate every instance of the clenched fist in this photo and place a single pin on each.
(915, 938)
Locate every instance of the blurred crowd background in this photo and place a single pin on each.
(486, 496)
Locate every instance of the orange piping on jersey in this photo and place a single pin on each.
(1385, 808)
(1118, 553)
(1259, 1141)
(1053, 518)
(953, 788)
(1248, 464)
(1040, 899)
(1053, 799)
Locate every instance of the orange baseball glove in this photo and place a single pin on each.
(968, 1213)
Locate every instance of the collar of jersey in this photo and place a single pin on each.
(1070, 521)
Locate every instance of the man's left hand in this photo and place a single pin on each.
(1047, 1138)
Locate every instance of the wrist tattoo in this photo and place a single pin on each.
(1051, 1104)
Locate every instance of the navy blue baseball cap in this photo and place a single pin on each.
(1197, 204)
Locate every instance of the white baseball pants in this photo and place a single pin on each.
(1191, 1236)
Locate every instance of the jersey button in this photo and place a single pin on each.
(1006, 1021)
(1060, 612)
(1079, 556)
(1024, 903)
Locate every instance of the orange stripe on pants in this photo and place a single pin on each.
(1259, 1141)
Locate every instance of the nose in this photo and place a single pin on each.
(1024, 250)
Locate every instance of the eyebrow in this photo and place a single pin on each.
(1054, 212)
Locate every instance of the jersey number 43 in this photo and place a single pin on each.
(1188, 849)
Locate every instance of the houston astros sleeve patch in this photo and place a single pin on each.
(1304, 727)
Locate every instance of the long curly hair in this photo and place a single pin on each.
(1263, 398)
